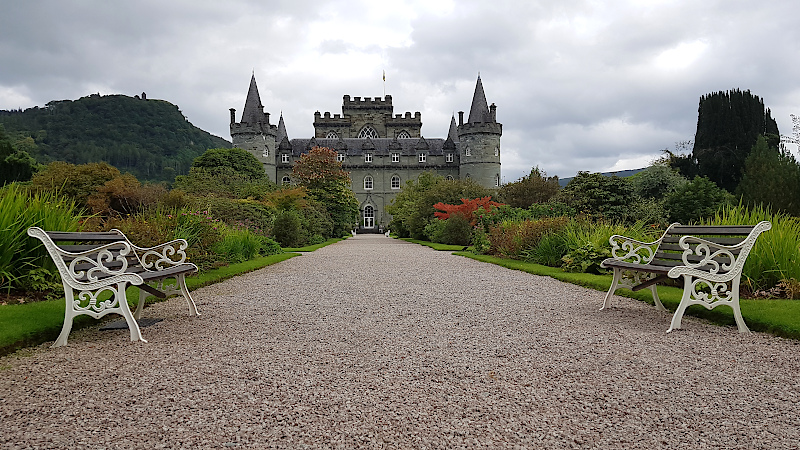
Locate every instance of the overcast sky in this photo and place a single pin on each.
(579, 84)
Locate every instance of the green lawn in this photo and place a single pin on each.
(436, 246)
(311, 248)
(34, 323)
(779, 317)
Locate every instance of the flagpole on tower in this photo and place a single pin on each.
(384, 83)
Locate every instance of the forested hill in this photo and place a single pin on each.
(149, 138)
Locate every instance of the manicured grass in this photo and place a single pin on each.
(435, 246)
(311, 248)
(779, 317)
(34, 323)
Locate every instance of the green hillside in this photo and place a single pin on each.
(149, 138)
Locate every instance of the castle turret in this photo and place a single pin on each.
(254, 133)
(479, 141)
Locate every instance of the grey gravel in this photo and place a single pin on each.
(377, 343)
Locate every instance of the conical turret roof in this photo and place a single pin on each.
(479, 111)
(253, 109)
(281, 130)
(453, 133)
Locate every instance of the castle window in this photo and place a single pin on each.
(367, 157)
(286, 179)
(395, 157)
(340, 157)
(450, 178)
(422, 157)
(403, 135)
(367, 132)
(497, 151)
(497, 180)
(285, 158)
(395, 182)
(367, 182)
(448, 157)
(266, 152)
(467, 151)
(332, 135)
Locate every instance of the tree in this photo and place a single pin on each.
(695, 200)
(656, 182)
(771, 178)
(597, 194)
(536, 187)
(728, 125)
(15, 164)
(230, 161)
(321, 174)
(412, 209)
(77, 182)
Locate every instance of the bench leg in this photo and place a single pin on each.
(125, 310)
(69, 315)
(686, 300)
(656, 299)
(181, 279)
(140, 307)
(613, 288)
(737, 311)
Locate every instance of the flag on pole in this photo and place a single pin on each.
(384, 75)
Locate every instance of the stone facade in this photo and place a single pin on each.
(381, 150)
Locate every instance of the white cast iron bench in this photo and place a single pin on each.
(93, 264)
(709, 258)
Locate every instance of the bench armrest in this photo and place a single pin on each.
(631, 250)
(160, 256)
(82, 269)
(713, 256)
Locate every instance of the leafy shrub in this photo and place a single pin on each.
(238, 246)
(551, 209)
(456, 231)
(597, 195)
(534, 188)
(76, 182)
(586, 259)
(286, 228)
(551, 248)
(125, 195)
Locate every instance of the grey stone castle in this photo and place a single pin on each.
(381, 150)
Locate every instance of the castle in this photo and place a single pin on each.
(381, 150)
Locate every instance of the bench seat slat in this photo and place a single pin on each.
(674, 240)
(700, 230)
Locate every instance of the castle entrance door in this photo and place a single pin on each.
(369, 217)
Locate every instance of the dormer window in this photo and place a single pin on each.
(448, 157)
(422, 157)
(367, 132)
(340, 156)
(285, 158)
(368, 157)
(395, 157)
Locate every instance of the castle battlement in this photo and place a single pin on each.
(358, 102)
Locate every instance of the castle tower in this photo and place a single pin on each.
(479, 141)
(254, 133)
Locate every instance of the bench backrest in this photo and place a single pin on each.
(670, 253)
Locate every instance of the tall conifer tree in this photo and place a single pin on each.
(728, 125)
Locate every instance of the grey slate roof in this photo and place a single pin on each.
(281, 130)
(479, 111)
(253, 109)
(453, 133)
(379, 146)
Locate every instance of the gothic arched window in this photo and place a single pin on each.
(367, 182)
(403, 135)
(367, 132)
(331, 135)
(395, 182)
(286, 180)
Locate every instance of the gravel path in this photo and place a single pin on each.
(378, 343)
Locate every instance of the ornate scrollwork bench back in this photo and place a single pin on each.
(96, 268)
(709, 258)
